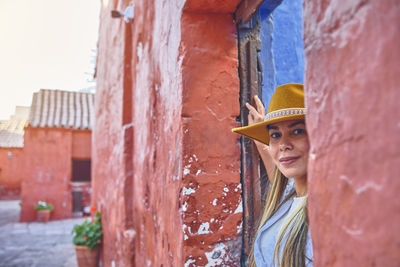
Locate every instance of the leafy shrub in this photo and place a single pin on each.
(88, 233)
(42, 205)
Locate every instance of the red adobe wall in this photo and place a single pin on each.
(352, 80)
(165, 171)
(211, 194)
(111, 187)
(47, 172)
(81, 144)
(11, 173)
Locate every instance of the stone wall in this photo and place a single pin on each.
(352, 77)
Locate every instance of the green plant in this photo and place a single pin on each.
(42, 205)
(88, 233)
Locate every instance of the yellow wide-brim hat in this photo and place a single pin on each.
(287, 103)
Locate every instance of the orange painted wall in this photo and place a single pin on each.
(211, 194)
(162, 146)
(47, 172)
(352, 88)
(81, 144)
(11, 172)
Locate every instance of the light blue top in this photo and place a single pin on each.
(267, 236)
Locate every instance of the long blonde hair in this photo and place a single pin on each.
(296, 228)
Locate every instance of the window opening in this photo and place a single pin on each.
(81, 170)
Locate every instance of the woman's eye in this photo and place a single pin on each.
(299, 131)
(275, 135)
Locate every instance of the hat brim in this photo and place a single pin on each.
(259, 132)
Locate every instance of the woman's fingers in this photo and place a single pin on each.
(251, 108)
(259, 104)
(254, 115)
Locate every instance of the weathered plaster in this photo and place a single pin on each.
(352, 79)
(154, 178)
(211, 192)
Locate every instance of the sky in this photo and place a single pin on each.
(45, 44)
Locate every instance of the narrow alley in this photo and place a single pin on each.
(34, 244)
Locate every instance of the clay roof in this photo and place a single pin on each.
(12, 130)
(56, 108)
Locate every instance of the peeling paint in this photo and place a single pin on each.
(186, 171)
(188, 262)
(139, 50)
(238, 187)
(188, 191)
(184, 227)
(239, 208)
(204, 228)
(217, 256)
(239, 228)
(184, 206)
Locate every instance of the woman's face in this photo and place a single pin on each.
(288, 147)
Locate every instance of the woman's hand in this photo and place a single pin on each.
(256, 114)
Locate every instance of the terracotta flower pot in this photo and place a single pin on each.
(43, 215)
(87, 258)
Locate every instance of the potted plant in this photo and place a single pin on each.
(43, 210)
(87, 240)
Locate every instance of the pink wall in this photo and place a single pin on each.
(11, 172)
(47, 170)
(352, 79)
(151, 150)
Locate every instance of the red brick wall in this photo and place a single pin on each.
(11, 172)
(47, 171)
(166, 99)
(352, 80)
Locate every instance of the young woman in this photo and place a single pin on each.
(283, 237)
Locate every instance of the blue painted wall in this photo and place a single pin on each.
(282, 48)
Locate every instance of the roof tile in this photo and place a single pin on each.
(12, 131)
(56, 108)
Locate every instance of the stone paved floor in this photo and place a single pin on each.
(34, 244)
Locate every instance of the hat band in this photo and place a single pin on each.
(285, 112)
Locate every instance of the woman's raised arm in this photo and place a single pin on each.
(257, 115)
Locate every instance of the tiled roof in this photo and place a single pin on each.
(56, 108)
(12, 131)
